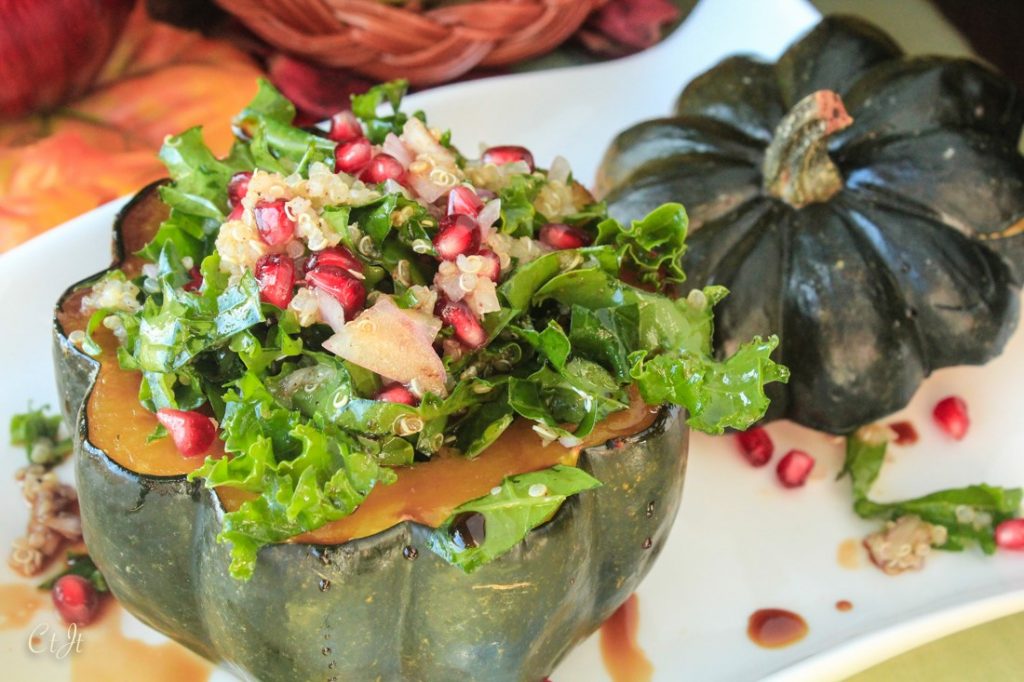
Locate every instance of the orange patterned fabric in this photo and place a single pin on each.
(158, 80)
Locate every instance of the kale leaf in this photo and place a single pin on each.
(510, 511)
(969, 514)
(41, 435)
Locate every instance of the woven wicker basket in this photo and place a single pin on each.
(384, 42)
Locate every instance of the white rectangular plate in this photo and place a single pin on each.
(741, 541)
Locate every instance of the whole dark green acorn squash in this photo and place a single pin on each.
(879, 249)
(378, 608)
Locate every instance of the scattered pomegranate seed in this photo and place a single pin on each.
(338, 256)
(457, 235)
(951, 416)
(756, 445)
(1010, 534)
(195, 280)
(463, 200)
(508, 154)
(275, 274)
(794, 468)
(397, 393)
(345, 127)
(383, 167)
(905, 432)
(236, 212)
(238, 185)
(352, 157)
(76, 599)
(192, 432)
(467, 328)
(492, 264)
(273, 223)
(562, 236)
(342, 286)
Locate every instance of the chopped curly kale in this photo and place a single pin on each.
(80, 564)
(968, 514)
(41, 435)
(305, 436)
(510, 511)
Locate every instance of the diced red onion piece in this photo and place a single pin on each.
(489, 214)
(394, 146)
(331, 310)
(560, 170)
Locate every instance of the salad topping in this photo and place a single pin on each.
(341, 304)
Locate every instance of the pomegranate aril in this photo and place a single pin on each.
(345, 127)
(951, 416)
(1010, 534)
(195, 280)
(492, 265)
(236, 212)
(794, 468)
(238, 185)
(338, 256)
(275, 273)
(905, 432)
(343, 287)
(464, 201)
(562, 236)
(383, 167)
(352, 157)
(457, 235)
(508, 153)
(273, 223)
(397, 393)
(76, 599)
(192, 432)
(467, 328)
(756, 445)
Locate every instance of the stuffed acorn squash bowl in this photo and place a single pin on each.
(345, 520)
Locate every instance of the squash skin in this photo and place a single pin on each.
(383, 616)
(903, 272)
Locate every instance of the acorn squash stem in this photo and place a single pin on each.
(797, 168)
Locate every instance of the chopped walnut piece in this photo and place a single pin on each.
(53, 520)
(904, 544)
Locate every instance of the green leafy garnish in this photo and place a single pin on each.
(968, 514)
(268, 105)
(306, 438)
(40, 435)
(653, 248)
(365, 108)
(163, 340)
(670, 360)
(510, 511)
(277, 145)
(519, 218)
(313, 471)
(80, 564)
(199, 177)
